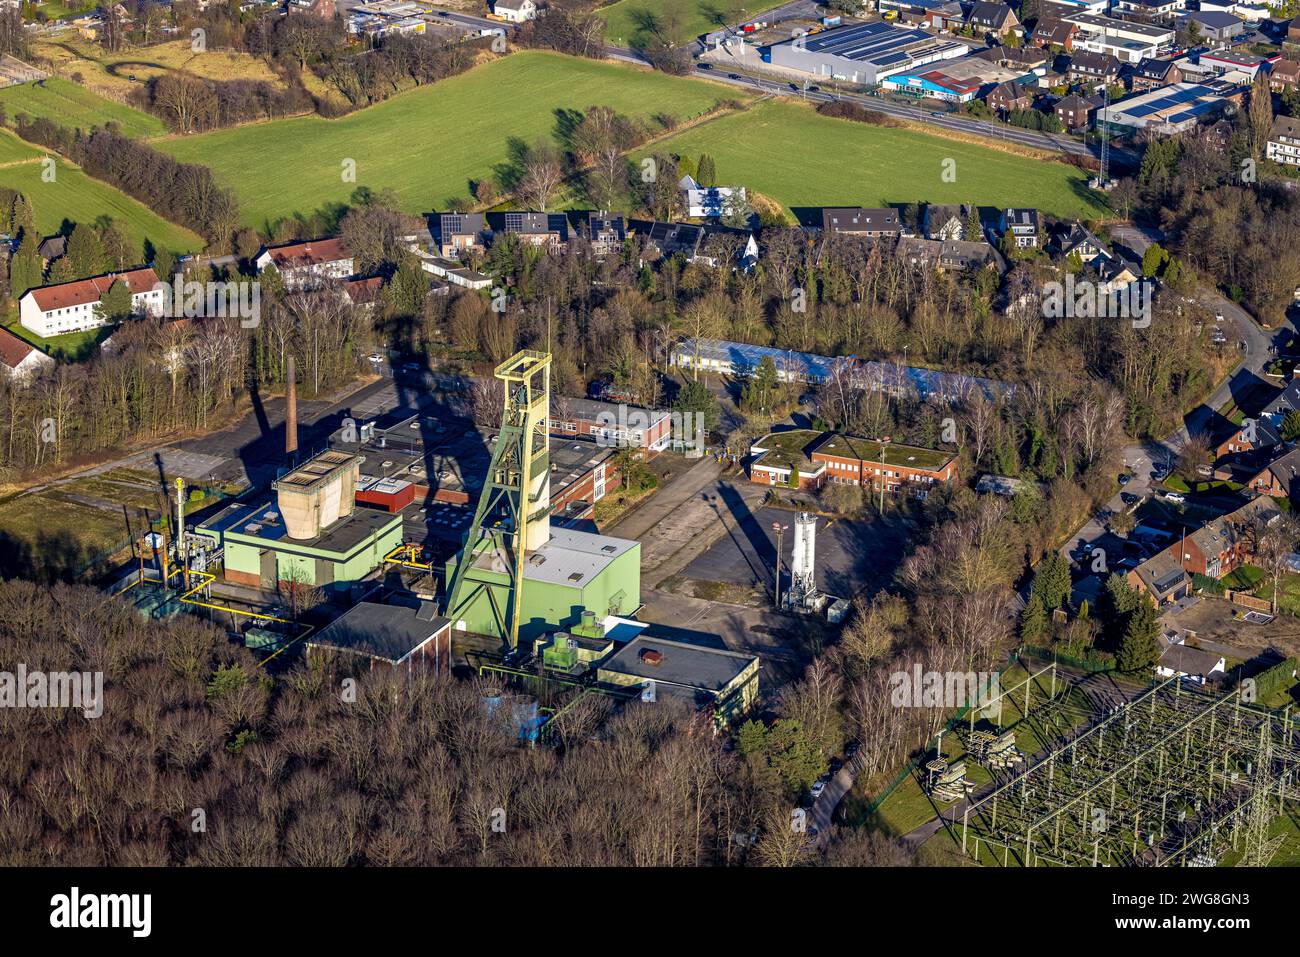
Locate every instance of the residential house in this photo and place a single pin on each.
(1022, 224)
(1278, 478)
(52, 248)
(455, 234)
(708, 202)
(1075, 112)
(72, 306)
(945, 221)
(532, 228)
(1285, 75)
(1284, 141)
(1180, 660)
(1023, 58)
(1162, 577)
(1151, 73)
(605, 231)
(1222, 545)
(515, 11)
(19, 360)
(1088, 67)
(1055, 34)
(919, 252)
(303, 264)
(996, 19)
(957, 255)
(1077, 240)
(872, 223)
(709, 245)
(1009, 96)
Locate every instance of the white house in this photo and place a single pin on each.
(70, 306)
(303, 264)
(705, 201)
(19, 360)
(1190, 664)
(515, 11)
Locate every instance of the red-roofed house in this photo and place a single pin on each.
(301, 264)
(20, 360)
(70, 306)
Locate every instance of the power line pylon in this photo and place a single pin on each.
(513, 512)
(1259, 847)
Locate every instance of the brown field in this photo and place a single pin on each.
(108, 74)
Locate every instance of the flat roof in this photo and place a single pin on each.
(690, 666)
(390, 631)
(1095, 23)
(571, 558)
(316, 470)
(868, 450)
(263, 522)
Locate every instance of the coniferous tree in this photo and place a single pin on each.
(1140, 649)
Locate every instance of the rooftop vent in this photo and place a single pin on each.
(575, 577)
(651, 657)
(536, 559)
(609, 548)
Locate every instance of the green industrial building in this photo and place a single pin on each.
(257, 550)
(570, 573)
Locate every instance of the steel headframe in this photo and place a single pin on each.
(512, 491)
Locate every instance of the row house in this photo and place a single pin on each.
(73, 306)
(856, 221)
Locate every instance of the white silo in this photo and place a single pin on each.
(803, 563)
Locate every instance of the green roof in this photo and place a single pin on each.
(852, 447)
(785, 449)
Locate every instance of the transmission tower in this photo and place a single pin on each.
(1259, 847)
(513, 512)
(1103, 175)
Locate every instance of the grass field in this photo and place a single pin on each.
(75, 106)
(625, 19)
(14, 150)
(428, 143)
(76, 197)
(109, 74)
(793, 155)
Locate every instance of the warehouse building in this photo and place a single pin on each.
(1126, 40)
(724, 682)
(400, 633)
(740, 359)
(864, 53)
(1168, 110)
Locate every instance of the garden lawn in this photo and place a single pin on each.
(428, 143)
(791, 154)
(74, 106)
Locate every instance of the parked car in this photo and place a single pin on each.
(1124, 478)
(1128, 498)
(1218, 317)
(1178, 498)
(818, 787)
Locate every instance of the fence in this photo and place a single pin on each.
(1248, 601)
